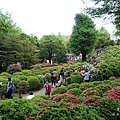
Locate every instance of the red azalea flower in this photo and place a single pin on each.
(97, 101)
(93, 104)
(29, 118)
(74, 101)
(67, 107)
(39, 111)
(86, 102)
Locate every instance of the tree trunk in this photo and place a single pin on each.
(50, 58)
(83, 57)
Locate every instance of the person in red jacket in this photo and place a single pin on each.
(47, 88)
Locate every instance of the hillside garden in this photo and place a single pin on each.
(78, 100)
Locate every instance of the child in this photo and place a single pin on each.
(47, 88)
(30, 96)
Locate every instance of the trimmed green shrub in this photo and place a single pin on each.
(36, 72)
(47, 77)
(68, 80)
(73, 85)
(27, 72)
(76, 79)
(17, 73)
(3, 79)
(33, 82)
(41, 79)
(59, 90)
(23, 86)
(6, 74)
(74, 91)
(39, 98)
(17, 109)
(84, 85)
(37, 67)
(15, 80)
(44, 71)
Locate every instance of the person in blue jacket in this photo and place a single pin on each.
(9, 87)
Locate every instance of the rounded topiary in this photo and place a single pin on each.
(6, 74)
(37, 72)
(41, 79)
(44, 71)
(76, 79)
(15, 80)
(33, 82)
(68, 80)
(37, 67)
(27, 72)
(84, 85)
(47, 77)
(23, 85)
(17, 73)
(3, 79)
(73, 85)
(59, 90)
(74, 91)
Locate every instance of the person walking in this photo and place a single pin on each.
(48, 87)
(9, 87)
(53, 79)
(86, 76)
(55, 74)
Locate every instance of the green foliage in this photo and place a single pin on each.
(76, 79)
(73, 85)
(23, 85)
(50, 45)
(103, 8)
(103, 38)
(18, 109)
(83, 35)
(68, 80)
(39, 98)
(6, 74)
(75, 91)
(36, 72)
(37, 67)
(33, 82)
(15, 80)
(17, 73)
(27, 72)
(3, 79)
(59, 90)
(47, 77)
(41, 79)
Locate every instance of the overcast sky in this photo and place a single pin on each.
(43, 17)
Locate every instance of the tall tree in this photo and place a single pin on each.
(102, 38)
(50, 46)
(106, 9)
(83, 35)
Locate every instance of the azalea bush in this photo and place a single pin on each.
(74, 91)
(14, 68)
(59, 90)
(73, 85)
(17, 109)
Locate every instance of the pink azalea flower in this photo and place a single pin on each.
(86, 102)
(67, 107)
(97, 101)
(29, 118)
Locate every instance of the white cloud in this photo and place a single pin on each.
(42, 17)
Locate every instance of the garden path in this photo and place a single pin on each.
(40, 92)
